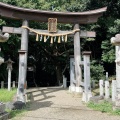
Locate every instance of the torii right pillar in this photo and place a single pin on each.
(77, 57)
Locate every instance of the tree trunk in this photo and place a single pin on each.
(59, 74)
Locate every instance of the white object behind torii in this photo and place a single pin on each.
(4, 38)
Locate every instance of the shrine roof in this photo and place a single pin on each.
(86, 17)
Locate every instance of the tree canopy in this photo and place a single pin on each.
(49, 57)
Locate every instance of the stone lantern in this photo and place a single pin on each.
(4, 38)
(9, 68)
(3, 115)
(116, 41)
(1, 59)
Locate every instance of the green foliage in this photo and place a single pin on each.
(104, 106)
(96, 70)
(90, 39)
(116, 112)
(14, 113)
(2, 22)
(6, 95)
(60, 5)
(108, 54)
(106, 27)
(78, 5)
(115, 28)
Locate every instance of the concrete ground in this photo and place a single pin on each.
(59, 104)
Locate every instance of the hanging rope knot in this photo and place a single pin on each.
(62, 36)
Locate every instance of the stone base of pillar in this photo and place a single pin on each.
(89, 96)
(69, 88)
(86, 96)
(79, 90)
(107, 90)
(117, 102)
(60, 84)
(115, 108)
(114, 84)
(21, 97)
(72, 88)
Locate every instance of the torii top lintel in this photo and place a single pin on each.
(42, 16)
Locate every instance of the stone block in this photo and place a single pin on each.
(10, 106)
(107, 90)
(101, 86)
(73, 88)
(93, 84)
(15, 105)
(19, 105)
(117, 103)
(79, 89)
(4, 116)
(86, 97)
(96, 99)
(114, 84)
(64, 82)
(2, 107)
(2, 84)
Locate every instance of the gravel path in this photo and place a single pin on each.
(59, 104)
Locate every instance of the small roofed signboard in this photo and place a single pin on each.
(52, 25)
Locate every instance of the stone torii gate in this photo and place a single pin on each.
(27, 15)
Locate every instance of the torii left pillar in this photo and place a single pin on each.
(23, 63)
(77, 57)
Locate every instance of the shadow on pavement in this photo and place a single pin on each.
(37, 105)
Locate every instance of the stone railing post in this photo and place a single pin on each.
(113, 86)
(64, 82)
(101, 87)
(93, 83)
(106, 76)
(13, 84)
(2, 84)
(9, 79)
(72, 74)
(107, 90)
(87, 85)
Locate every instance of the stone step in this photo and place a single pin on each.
(4, 116)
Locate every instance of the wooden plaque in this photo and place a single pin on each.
(52, 25)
